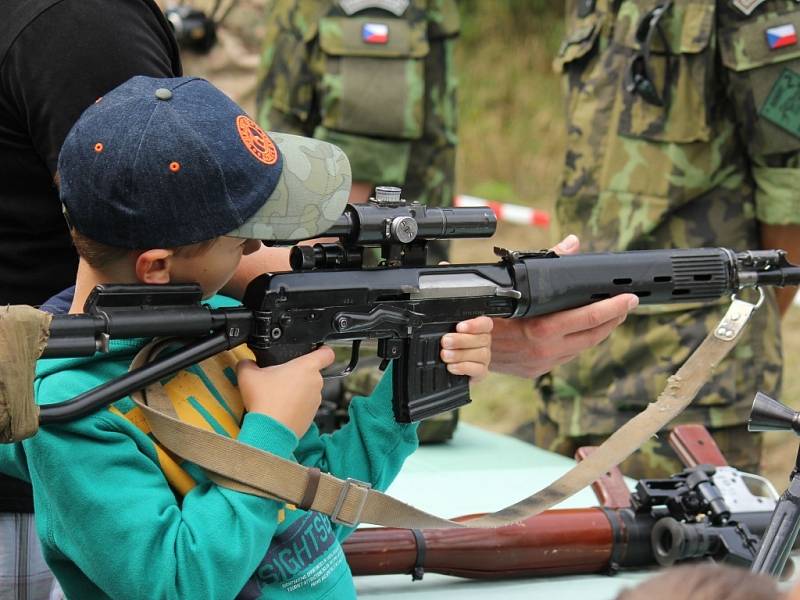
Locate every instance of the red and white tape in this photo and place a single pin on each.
(510, 213)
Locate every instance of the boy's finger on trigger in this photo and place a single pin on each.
(322, 357)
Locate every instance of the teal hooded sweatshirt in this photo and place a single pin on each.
(118, 517)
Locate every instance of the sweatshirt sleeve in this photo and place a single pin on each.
(371, 447)
(104, 505)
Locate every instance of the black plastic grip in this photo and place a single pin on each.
(423, 387)
(656, 276)
(280, 353)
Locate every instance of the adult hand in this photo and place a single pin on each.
(468, 351)
(289, 393)
(532, 346)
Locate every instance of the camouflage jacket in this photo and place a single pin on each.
(719, 156)
(378, 84)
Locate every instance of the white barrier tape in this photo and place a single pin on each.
(510, 213)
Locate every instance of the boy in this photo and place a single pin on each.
(167, 181)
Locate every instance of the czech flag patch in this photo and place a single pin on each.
(375, 33)
(781, 36)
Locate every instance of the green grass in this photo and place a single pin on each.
(511, 141)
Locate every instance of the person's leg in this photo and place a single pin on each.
(23, 572)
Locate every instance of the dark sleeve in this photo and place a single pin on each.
(75, 52)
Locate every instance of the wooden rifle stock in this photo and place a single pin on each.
(555, 542)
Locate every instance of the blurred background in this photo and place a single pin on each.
(511, 136)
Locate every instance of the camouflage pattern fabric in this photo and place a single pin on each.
(703, 170)
(656, 458)
(310, 194)
(391, 107)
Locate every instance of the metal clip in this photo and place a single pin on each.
(349, 484)
(736, 318)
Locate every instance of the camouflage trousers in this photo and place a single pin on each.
(655, 459)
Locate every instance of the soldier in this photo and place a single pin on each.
(682, 131)
(376, 78)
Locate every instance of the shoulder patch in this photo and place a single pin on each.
(396, 7)
(782, 106)
(747, 6)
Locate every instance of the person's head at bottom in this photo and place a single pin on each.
(704, 581)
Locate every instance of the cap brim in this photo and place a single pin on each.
(311, 193)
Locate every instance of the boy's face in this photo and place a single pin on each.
(213, 267)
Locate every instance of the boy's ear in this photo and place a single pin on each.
(154, 266)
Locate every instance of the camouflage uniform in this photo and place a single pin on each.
(722, 156)
(390, 106)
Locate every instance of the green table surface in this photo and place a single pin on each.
(480, 471)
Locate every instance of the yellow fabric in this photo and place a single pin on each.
(185, 388)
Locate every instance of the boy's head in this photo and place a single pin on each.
(174, 163)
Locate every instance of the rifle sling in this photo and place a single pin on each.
(238, 466)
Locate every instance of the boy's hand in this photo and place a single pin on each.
(468, 351)
(289, 393)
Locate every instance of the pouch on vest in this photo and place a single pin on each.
(685, 83)
(374, 80)
(762, 80)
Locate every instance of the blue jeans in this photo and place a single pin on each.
(23, 572)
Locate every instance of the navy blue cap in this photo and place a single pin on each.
(170, 162)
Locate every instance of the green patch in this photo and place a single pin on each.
(782, 106)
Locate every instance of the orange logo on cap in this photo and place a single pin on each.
(256, 140)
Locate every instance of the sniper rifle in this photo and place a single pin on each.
(404, 304)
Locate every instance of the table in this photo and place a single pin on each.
(480, 471)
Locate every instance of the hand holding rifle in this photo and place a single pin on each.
(532, 346)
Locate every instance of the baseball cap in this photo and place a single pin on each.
(170, 162)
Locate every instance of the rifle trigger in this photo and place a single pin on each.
(354, 356)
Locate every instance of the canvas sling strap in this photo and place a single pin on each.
(349, 502)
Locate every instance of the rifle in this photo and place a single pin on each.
(703, 512)
(403, 304)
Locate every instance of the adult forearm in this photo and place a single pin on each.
(786, 237)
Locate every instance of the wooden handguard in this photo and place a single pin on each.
(583, 537)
